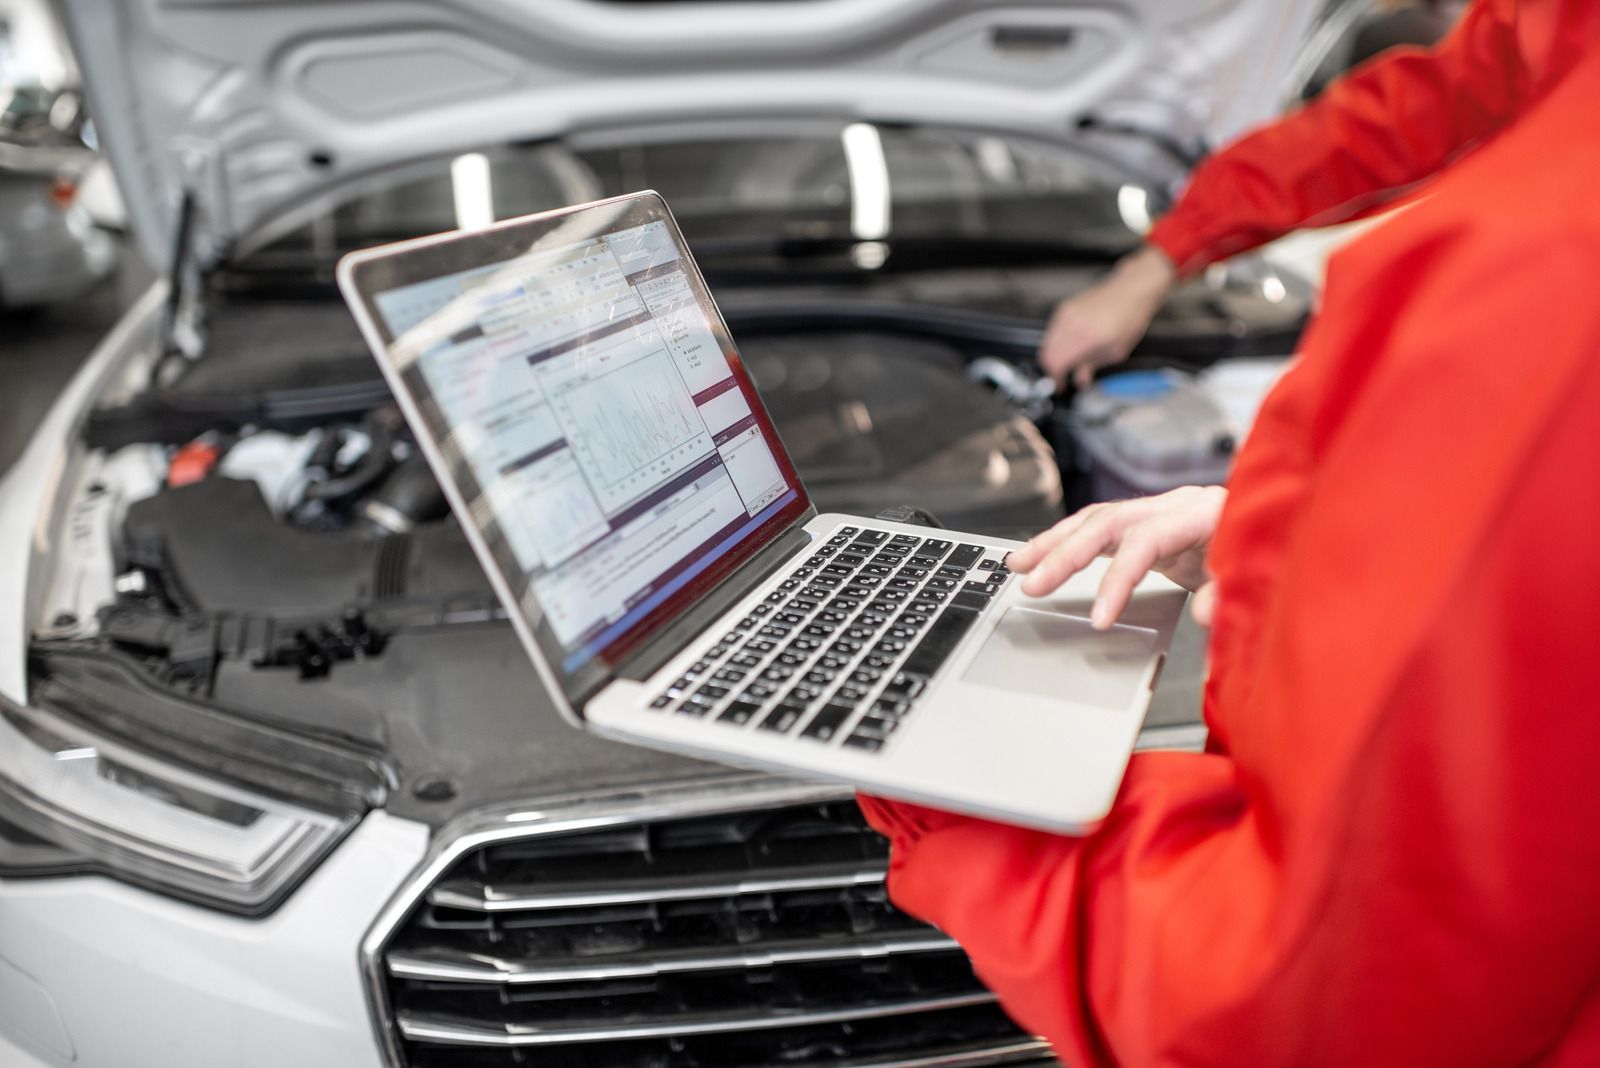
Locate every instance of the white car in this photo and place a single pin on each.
(276, 784)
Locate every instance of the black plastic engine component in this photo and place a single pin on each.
(879, 419)
(217, 545)
(409, 496)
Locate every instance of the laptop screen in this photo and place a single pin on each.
(594, 414)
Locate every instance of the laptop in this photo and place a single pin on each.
(583, 405)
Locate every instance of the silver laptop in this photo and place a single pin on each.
(581, 401)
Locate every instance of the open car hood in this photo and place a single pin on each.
(255, 105)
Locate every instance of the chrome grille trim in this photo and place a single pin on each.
(716, 795)
(476, 968)
(1033, 1051)
(476, 897)
(435, 1029)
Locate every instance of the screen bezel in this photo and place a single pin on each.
(374, 272)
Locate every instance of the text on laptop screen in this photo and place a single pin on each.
(589, 399)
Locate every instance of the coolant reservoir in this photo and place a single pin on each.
(1142, 432)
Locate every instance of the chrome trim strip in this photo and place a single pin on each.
(477, 968)
(477, 897)
(710, 795)
(1033, 1051)
(445, 1032)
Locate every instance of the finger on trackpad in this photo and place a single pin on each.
(1047, 654)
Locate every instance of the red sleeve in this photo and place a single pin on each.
(1397, 862)
(1366, 139)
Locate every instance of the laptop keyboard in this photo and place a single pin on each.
(842, 649)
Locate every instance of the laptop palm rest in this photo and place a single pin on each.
(1048, 654)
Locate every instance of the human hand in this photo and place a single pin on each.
(1101, 325)
(1168, 533)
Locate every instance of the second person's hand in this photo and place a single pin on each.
(1168, 533)
(1101, 325)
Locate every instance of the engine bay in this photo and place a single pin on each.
(257, 531)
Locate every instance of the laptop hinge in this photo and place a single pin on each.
(647, 660)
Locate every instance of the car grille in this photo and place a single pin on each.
(750, 936)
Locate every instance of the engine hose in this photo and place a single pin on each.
(371, 467)
(410, 495)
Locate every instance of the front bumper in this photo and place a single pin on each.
(96, 973)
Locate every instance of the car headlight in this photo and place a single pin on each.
(146, 819)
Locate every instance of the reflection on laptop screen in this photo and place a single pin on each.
(589, 399)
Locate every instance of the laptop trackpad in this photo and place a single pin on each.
(1047, 654)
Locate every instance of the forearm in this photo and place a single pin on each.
(1370, 137)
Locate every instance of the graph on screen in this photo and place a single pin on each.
(633, 425)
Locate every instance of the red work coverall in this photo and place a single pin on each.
(1391, 854)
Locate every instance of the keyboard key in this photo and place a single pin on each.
(923, 562)
(739, 713)
(850, 559)
(866, 742)
(949, 572)
(826, 723)
(904, 539)
(661, 702)
(977, 587)
(865, 676)
(912, 572)
(820, 630)
(965, 556)
(792, 658)
(878, 726)
(906, 685)
(745, 660)
(694, 706)
(889, 707)
(729, 675)
(987, 565)
(789, 619)
(847, 531)
(941, 638)
(777, 673)
(942, 583)
(880, 570)
(872, 537)
(804, 644)
(970, 600)
(783, 718)
(935, 548)
(760, 646)
(850, 694)
(758, 691)
(712, 691)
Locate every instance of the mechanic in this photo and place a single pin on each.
(1389, 852)
(1367, 141)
